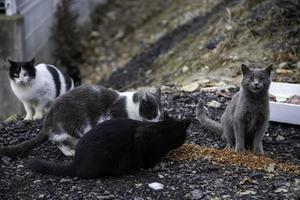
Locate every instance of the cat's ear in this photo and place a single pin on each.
(31, 63)
(10, 61)
(269, 68)
(186, 123)
(158, 92)
(245, 69)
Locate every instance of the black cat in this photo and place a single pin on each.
(119, 146)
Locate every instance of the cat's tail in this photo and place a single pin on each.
(50, 168)
(24, 147)
(205, 121)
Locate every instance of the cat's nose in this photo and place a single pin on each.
(256, 83)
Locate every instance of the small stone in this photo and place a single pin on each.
(160, 176)
(271, 168)
(185, 69)
(279, 190)
(190, 87)
(37, 181)
(226, 196)
(246, 180)
(283, 65)
(138, 185)
(297, 184)
(279, 138)
(41, 196)
(298, 65)
(214, 104)
(138, 198)
(6, 159)
(95, 34)
(156, 186)
(195, 194)
(247, 192)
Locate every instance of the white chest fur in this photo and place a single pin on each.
(131, 107)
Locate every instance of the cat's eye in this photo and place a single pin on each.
(16, 74)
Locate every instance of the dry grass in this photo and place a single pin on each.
(229, 157)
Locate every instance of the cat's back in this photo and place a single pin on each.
(115, 137)
(232, 105)
(114, 129)
(52, 76)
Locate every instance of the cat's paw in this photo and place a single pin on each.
(229, 146)
(240, 150)
(258, 151)
(38, 116)
(28, 117)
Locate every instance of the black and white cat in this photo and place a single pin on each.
(76, 112)
(37, 86)
(119, 146)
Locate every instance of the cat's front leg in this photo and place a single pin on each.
(29, 111)
(228, 136)
(257, 140)
(239, 133)
(39, 112)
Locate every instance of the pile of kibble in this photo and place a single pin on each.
(226, 156)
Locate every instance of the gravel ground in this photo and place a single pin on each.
(198, 179)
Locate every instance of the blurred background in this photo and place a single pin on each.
(135, 43)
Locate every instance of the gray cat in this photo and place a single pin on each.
(246, 117)
(76, 112)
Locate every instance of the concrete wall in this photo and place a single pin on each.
(11, 40)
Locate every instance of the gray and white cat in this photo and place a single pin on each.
(37, 86)
(246, 117)
(76, 112)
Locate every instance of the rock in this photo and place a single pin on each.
(190, 87)
(106, 197)
(279, 138)
(271, 168)
(209, 157)
(95, 34)
(280, 190)
(195, 194)
(298, 65)
(226, 196)
(284, 71)
(246, 180)
(37, 181)
(41, 196)
(138, 198)
(247, 192)
(297, 183)
(138, 185)
(6, 159)
(283, 65)
(156, 186)
(214, 104)
(160, 176)
(185, 68)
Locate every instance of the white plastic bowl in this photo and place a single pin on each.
(284, 112)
